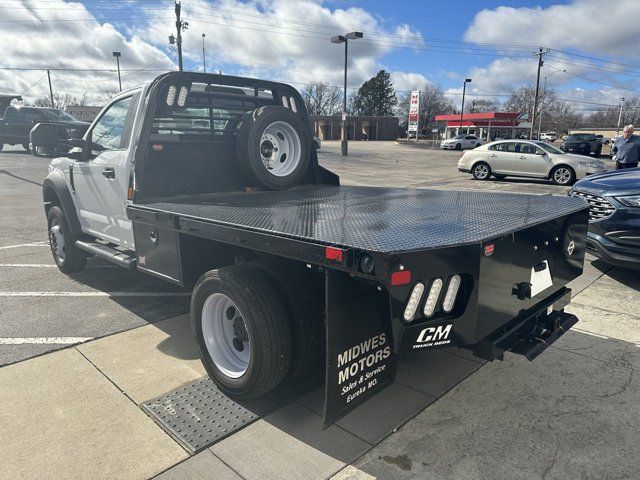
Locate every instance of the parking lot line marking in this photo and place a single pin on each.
(48, 265)
(35, 244)
(43, 340)
(95, 294)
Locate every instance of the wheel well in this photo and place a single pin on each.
(50, 199)
(480, 161)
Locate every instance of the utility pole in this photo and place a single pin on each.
(53, 105)
(204, 62)
(180, 27)
(540, 54)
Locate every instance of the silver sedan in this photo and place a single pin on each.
(527, 158)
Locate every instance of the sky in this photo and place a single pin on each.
(593, 49)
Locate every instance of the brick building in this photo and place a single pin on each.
(327, 127)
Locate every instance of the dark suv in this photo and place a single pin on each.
(614, 215)
(583, 143)
(18, 122)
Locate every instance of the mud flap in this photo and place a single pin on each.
(360, 355)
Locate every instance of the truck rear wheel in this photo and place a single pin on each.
(242, 331)
(304, 302)
(63, 247)
(274, 147)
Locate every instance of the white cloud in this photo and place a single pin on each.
(287, 40)
(605, 28)
(33, 36)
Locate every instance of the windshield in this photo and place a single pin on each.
(58, 115)
(457, 137)
(549, 148)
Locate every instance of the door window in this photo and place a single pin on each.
(110, 131)
(32, 116)
(528, 149)
(504, 147)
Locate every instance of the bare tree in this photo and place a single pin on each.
(62, 101)
(608, 116)
(432, 103)
(479, 105)
(322, 99)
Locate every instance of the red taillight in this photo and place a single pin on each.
(332, 253)
(400, 278)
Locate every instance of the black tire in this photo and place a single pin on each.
(458, 146)
(265, 321)
(305, 305)
(566, 179)
(481, 171)
(477, 145)
(598, 152)
(252, 144)
(1, 146)
(26, 147)
(72, 259)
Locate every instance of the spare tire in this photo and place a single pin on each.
(274, 147)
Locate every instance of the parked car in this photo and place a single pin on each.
(460, 142)
(614, 216)
(603, 141)
(18, 122)
(527, 158)
(582, 143)
(549, 136)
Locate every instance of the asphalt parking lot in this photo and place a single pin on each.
(80, 355)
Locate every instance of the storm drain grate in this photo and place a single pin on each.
(199, 415)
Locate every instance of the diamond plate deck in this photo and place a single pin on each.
(375, 219)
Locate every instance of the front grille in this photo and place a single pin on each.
(599, 207)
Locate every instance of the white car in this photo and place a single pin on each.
(527, 158)
(549, 136)
(460, 142)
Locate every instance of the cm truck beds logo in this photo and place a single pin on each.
(434, 336)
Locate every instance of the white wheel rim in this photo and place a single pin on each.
(482, 171)
(562, 176)
(280, 149)
(56, 241)
(225, 335)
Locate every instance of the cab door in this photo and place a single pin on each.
(101, 181)
(502, 157)
(531, 160)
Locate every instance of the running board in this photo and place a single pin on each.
(108, 253)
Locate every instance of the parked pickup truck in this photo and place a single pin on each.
(290, 270)
(583, 143)
(18, 122)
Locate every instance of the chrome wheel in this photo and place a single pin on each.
(225, 335)
(56, 241)
(280, 149)
(562, 176)
(481, 172)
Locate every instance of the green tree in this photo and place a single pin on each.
(376, 96)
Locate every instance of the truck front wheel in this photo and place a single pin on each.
(65, 253)
(242, 330)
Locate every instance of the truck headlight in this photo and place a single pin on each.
(452, 292)
(629, 200)
(414, 301)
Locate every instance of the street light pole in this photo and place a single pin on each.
(464, 90)
(204, 62)
(544, 98)
(345, 39)
(118, 55)
(620, 116)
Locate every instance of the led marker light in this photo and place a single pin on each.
(171, 95)
(182, 98)
(414, 300)
(452, 292)
(432, 298)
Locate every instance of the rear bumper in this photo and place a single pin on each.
(612, 253)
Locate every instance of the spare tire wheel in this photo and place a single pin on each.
(274, 147)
